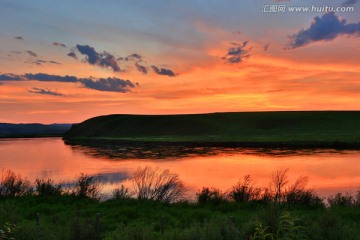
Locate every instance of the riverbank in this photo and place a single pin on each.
(46, 210)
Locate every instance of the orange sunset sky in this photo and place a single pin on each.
(66, 61)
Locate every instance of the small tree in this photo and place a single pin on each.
(157, 185)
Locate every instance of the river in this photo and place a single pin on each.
(329, 171)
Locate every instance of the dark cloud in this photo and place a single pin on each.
(237, 53)
(73, 55)
(45, 92)
(43, 77)
(10, 77)
(108, 84)
(59, 44)
(136, 56)
(324, 28)
(141, 68)
(103, 59)
(100, 84)
(126, 59)
(266, 47)
(163, 71)
(19, 38)
(348, 3)
(31, 53)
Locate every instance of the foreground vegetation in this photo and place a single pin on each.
(334, 129)
(155, 209)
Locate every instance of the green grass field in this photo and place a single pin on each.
(69, 217)
(312, 128)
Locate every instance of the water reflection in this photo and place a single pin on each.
(176, 151)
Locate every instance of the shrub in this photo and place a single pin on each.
(304, 198)
(339, 199)
(121, 193)
(245, 191)
(47, 187)
(12, 185)
(162, 186)
(211, 195)
(87, 187)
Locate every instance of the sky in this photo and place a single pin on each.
(67, 61)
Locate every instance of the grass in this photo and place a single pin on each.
(70, 217)
(280, 129)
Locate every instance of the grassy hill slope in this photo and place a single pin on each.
(322, 127)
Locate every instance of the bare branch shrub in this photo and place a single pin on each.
(279, 180)
(154, 184)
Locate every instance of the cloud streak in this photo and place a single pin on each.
(324, 28)
(45, 92)
(104, 59)
(99, 84)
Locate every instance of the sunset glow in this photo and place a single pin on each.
(168, 57)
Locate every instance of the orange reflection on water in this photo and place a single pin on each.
(329, 172)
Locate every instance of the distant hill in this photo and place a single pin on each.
(32, 130)
(302, 128)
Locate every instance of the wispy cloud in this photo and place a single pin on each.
(348, 3)
(45, 92)
(163, 71)
(102, 59)
(266, 47)
(237, 53)
(73, 55)
(31, 53)
(59, 44)
(100, 84)
(324, 28)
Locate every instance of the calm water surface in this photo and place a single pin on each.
(329, 171)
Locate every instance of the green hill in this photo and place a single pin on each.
(305, 128)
